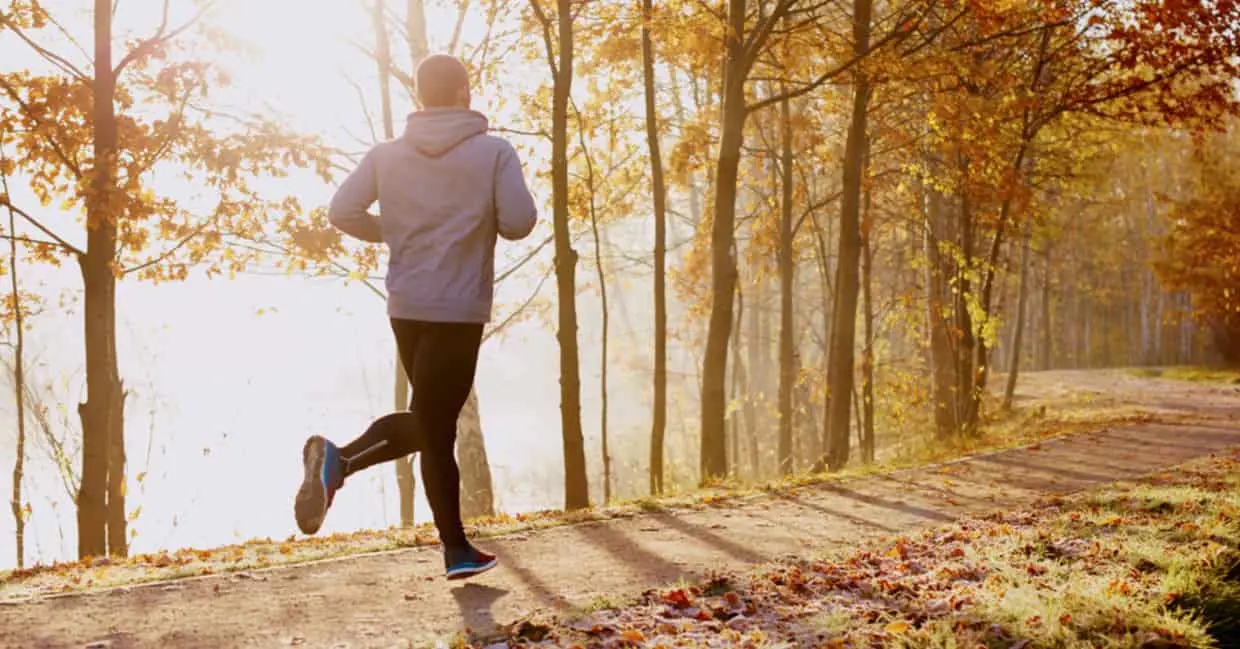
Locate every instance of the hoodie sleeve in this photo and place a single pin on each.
(514, 205)
(350, 204)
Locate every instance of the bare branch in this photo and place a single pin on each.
(30, 240)
(68, 247)
(508, 272)
(55, 59)
(545, 21)
(167, 254)
(174, 120)
(516, 131)
(68, 36)
(462, 9)
(361, 98)
(503, 324)
(162, 35)
(891, 36)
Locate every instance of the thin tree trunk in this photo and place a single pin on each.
(748, 340)
(787, 266)
(19, 383)
(843, 337)
(576, 483)
(819, 452)
(606, 321)
(102, 413)
(1047, 341)
(477, 491)
(740, 381)
(867, 359)
(943, 375)
(405, 484)
(713, 462)
(1009, 392)
(659, 419)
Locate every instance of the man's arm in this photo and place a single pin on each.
(348, 209)
(514, 205)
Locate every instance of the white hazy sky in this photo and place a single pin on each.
(222, 399)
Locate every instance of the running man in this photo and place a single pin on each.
(445, 190)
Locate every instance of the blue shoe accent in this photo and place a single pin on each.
(323, 476)
(462, 563)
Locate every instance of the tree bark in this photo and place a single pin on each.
(867, 442)
(740, 382)
(576, 483)
(19, 384)
(477, 491)
(102, 412)
(943, 372)
(659, 419)
(713, 461)
(843, 337)
(603, 333)
(787, 266)
(405, 483)
(1047, 356)
(1009, 392)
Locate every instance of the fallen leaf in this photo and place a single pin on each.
(899, 626)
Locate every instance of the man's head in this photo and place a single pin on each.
(442, 82)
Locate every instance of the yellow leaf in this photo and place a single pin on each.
(899, 626)
(133, 515)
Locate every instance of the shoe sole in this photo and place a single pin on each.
(311, 502)
(472, 570)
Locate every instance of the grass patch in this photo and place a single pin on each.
(1192, 374)
(1152, 564)
(1026, 426)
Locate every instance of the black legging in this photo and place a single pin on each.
(440, 359)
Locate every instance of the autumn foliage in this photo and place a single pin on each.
(1202, 253)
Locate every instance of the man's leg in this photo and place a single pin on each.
(389, 437)
(443, 375)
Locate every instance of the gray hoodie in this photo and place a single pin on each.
(445, 189)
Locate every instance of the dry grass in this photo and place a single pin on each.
(1154, 564)
(1189, 373)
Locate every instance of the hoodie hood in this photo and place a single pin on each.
(436, 131)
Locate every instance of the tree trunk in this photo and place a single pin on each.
(966, 338)
(102, 412)
(19, 384)
(606, 321)
(787, 265)
(576, 484)
(1009, 392)
(740, 383)
(477, 491)
(1047, 341)
(943, 374)
(867, 359)
(405, 484)
(659, 419)
(819, 451)
(847, 285)
(756, 375)
(713, 462)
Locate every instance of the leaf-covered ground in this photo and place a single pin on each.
(1153, 564)
(1073, 415)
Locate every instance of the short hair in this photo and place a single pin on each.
(440, 79)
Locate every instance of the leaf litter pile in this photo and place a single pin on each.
(1152, 564)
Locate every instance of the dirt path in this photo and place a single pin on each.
(398, 599)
